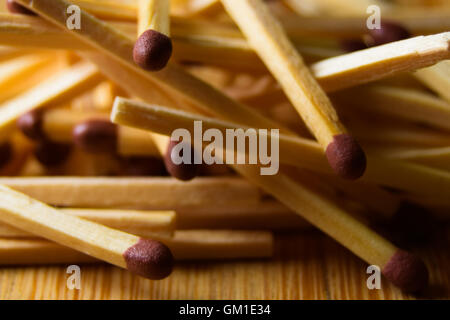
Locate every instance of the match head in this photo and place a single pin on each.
(52, 154)
(407, 272)
(30, 124)
(389, 32)
(14, 7)
(183, 172)
(152, 50)
(143, 166)
(6, 152)
(96, 136)
(346, 157)
(150, 259)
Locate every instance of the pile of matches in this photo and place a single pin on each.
(87, 113)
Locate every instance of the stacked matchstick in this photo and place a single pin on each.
(87, 113)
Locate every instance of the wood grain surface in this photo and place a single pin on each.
(306, 266)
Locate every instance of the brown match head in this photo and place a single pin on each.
(346, 157)
(184, 172)
(389, 32)
(6, 152)
(30, 124)
(96, 136)
(152, 50)
(406, 271)
(52, 154)
(150, 259)
(143, 166)
(14, 7)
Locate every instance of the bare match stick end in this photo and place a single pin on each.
(152, 50)
(406, 271)
(14, 7)
(346, 157)
(183, 171)
(150, 259)
(96, 136)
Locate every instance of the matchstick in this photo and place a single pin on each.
(66, 83)
(146, 224)
(153, 48)
(146, 193)
(379, 62)
(185, 245)
(266, 36)
(397, 174)
(148, 258)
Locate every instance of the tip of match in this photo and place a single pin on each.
(406, 271)
(346, 157)
(150, 259)
(152, 50)
(183, 172)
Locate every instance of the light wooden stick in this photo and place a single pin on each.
(403, 175)
(154, 14)
(66, 83)
(403, 103)
(437, 78)
(379, 62)
(148, 193)
(186, 245)
(147, 224)
(148, 258)
(267, 37)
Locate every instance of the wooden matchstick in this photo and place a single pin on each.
(147, 193)
(397, 174)
(266, 36)
(153, 48)
(379, 62)
(148, 258)
(185, 245)
(146, 224)
(66, 83)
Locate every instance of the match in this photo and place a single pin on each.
(147, 258)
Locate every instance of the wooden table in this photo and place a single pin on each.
(306, 266)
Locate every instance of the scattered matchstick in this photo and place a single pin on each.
(185, 245)
(153, 48)
(148, 258)
(267, 37)
(147, 193)
(146, 224)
